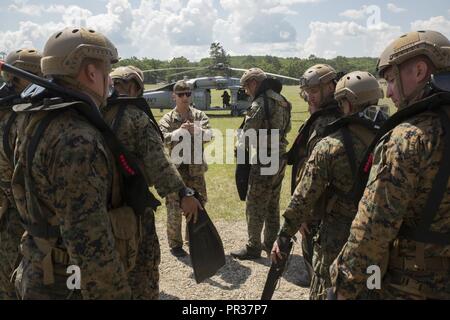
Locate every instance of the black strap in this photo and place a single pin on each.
(41, 228)
(267, 115)
(6, 145)
(422, 233)
(349, 149)
(118, 118)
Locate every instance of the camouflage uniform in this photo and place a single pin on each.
(193, 175)
(137, 133)
(72, 174)
(326, 169)
(396, 229)
(10, 228)
(406, 161)
(263, 195)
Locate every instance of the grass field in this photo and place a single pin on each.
(223, 201)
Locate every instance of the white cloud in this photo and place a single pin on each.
(393, 8)
(354, 14)
(328, 39)
(439, 23)
(22, 6)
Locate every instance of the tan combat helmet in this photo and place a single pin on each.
(360, 88)
(253, 73)
(317, 75)
(431, 44)
(129, 73)
(28, 59)
(66, 50)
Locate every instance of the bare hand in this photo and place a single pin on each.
(190, 207)
(275, 254)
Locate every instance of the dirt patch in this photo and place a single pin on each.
(237, 280)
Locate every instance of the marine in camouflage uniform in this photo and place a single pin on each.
(132, 122)
(328, 178)
(11, 229)
(317, 87)
(62, 189)
(269, 110)
(387, 232)
(193, 173)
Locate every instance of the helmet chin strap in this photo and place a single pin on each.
(406, 101)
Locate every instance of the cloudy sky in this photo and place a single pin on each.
(172, 28)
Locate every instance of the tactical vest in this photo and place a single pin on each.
(130, 196)
(298, 153)
(421, 234)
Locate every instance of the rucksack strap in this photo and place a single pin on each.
(6, 145)
(41, 227)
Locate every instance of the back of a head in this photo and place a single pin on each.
(66, 50)
(28, 59)
(129, 73)
(360, 88)
(254, 73)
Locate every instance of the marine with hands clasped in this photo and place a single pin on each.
(325, 189)
(132, 121)
(402, 228)
(11, 230)
(185, 122)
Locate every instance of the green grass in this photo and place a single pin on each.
(223, 200)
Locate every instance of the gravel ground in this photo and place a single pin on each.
(237, 280)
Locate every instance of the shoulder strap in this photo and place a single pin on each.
(349, 149)
(422, 233)
(41, 227)
(6, 145)
(142, 105)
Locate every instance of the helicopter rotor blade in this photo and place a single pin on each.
(270, 74)
(281, 76)
(184, 72)
(167, 69)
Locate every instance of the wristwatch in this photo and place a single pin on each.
(186, 192)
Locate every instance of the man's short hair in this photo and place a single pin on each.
(181, 86)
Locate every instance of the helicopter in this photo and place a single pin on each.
(161, 98)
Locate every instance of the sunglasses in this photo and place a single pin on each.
(187, 94)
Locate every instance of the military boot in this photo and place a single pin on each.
(247, 253)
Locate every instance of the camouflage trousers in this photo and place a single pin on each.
(10, 233)
(144, 278)
(174, 213)
(263, 207)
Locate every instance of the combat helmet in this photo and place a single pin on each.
(253, 73)
(317, 76)
(360, 88)
(431, 44)
(28, 59)
(66, 50)
(129, 73)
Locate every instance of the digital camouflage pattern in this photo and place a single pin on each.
(72, 174)
(137, 133)
(10, 228)
(193, 174)
(263, 195)
(327, 168)
(406, 161)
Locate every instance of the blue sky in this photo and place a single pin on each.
(170, 28)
